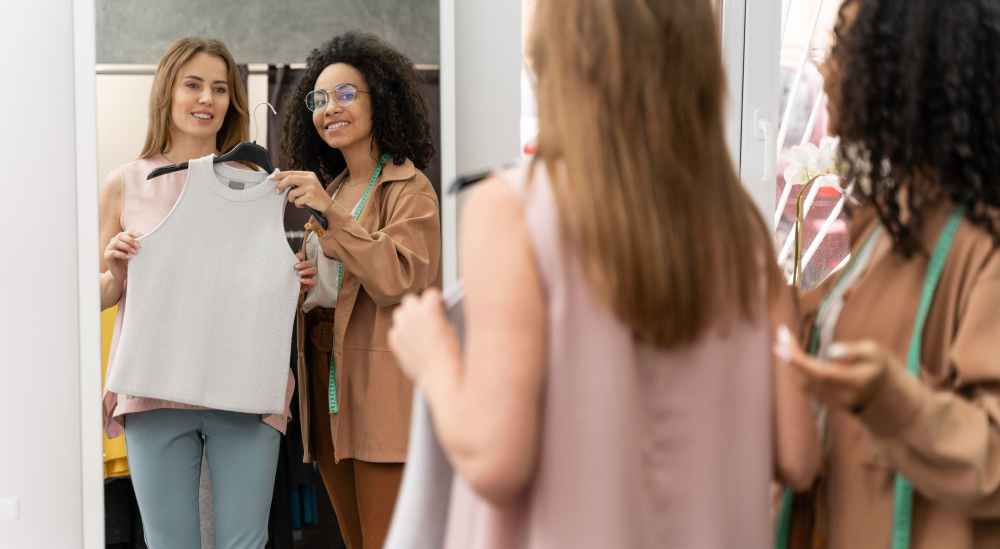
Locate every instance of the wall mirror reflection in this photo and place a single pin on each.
(217, 451)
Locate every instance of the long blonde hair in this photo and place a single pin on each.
(631, 128)
(234, 127)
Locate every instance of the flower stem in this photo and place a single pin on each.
(797, 268)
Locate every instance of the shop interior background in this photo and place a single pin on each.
(97, 57)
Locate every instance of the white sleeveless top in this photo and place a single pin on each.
(212, 297)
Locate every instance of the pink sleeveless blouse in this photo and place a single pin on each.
(639, 447)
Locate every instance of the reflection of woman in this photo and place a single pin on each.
(198, 107)
(616, 386)
(368, 135)
(913, 88)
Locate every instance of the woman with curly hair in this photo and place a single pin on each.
(904, 337)
(354, 138)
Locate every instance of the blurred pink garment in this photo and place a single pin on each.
(640, 447)
(145, 203)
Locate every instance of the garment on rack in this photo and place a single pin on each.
(213, 291)
(115, 456)
(122, 520)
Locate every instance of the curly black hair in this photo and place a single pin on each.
(920, 108)
(400, 125)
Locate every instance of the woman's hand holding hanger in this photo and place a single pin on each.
(307, 191)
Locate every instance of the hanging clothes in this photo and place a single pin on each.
(115, 457)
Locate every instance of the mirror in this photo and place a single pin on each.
(269, 48)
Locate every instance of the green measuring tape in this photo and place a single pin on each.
(332, 396)
(902, 520)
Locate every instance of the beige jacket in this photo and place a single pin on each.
(394, 248)
(942, 432)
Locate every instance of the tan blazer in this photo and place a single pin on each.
(942, 432)
(394, 248)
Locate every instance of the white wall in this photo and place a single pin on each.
(480, 99)
(122, 105)
(39, 301)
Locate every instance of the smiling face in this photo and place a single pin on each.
(344, 127)
(200, 97)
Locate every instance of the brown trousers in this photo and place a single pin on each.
(363, 493)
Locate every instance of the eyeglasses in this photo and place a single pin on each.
(342, 94)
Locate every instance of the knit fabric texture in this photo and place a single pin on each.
(212, 296)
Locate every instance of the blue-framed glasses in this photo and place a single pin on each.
(342, 94)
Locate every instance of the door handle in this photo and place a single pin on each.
(764, 130)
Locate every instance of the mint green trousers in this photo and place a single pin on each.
(164, 457)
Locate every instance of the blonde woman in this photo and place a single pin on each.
(197, 107)
(617, 387)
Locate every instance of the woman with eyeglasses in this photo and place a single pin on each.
(354, 139)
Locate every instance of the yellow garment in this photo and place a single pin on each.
(115, 460)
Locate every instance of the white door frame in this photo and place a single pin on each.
(480, 101)
(751, 45)
(88, 248)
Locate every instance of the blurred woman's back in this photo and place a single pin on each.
(640, 446)
(657, 422)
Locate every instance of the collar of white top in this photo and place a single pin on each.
(211, 172)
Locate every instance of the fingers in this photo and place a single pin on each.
(281, 175)
(309, 199)
(866, 350)
(306, 284)
(115, 254)
(289, 179)
(432, 300)
(785, 345)
(124, 243)
(129, 239)
(284, 179)
(123, 246)
(296, 179)
(300, 196)
(431, 294)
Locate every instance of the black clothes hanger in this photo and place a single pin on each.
(466, 181)
(242, 152)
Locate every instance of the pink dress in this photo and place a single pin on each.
(145, 203)
(640, 447)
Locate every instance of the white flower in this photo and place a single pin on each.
(802, 165)
(809, 162)
(826, 159)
